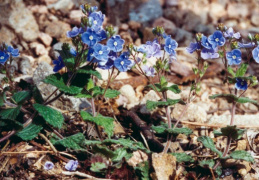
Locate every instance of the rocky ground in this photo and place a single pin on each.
(39, 27)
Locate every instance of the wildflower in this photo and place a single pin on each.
(59, 64)
(231, 34)
(73, 51)
(255, 53)
(96, 20)
(111, 58)
(205, 43)
(3, 57)
(170, 45)
(241, 84)
(152, 49)
(74, 32)
(247, 45)
(90, 54)
(149, 71)
(101, 53)
(48, 165)
(193, 47)
(122, 64)
(115, 43)
(209, 53)
(90, 37)
(71, 165)
(234, 57)
(12, 51)
(217, 39)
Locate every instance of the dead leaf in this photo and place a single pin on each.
(138, 157)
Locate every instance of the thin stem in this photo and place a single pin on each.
(94, 114)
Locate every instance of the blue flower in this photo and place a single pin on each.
(122, 64)
(205, 43)
(241, 84)
(255, 53)
(90, 54)
(152, 49)
(247, 45)
(90, 37)
(71, 165)
(234, 57)
(102, 35)
(12, 51)
(231, 34)
(73, 51)
(96, 20)
(217, 39)
(48, 165)
(74, 32)
(115, 43)
(101, 54)
(111, 58)
(193, 47)
(59, 64)
(149, 71)
(170, 45)
(3, 57)
(209, 53)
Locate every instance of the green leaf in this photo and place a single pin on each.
(89, 70)
(76, 141)
(183, 157)
(242, 70)
(10, 124)
(37, 95)
(10, 113)
(208, 143)
(90, 84)
(97, 91)
(219, 170)
(105, 122)
(157, 87)
(58, 81)
(82, 95)
(21, 96)
(163, 81)
(173, 88)
(52, 116)
(121, 153)
(67, 57)
(30, 132)
(98, 167)
(111, 93)
(231, 71)
(143, 168)
(185, 131)
(153, 104)
(242, 155)
(207, 163)
(160, 129)
(233, 132)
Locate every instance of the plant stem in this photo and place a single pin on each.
(94, 114)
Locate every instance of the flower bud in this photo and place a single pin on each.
(221, 27)
(84, 21)
(256, 37)
(110, 31)
(234, 45)
(198, 36)
(250, 37)
(158, 31)
(65, 47)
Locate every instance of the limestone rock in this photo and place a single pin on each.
(168, 25)
(6, 35)
(45, 38)
(62, 5)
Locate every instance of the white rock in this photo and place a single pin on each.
(45, 38)
(39, 48)
(75, 16)
(45, 58)
(151, 96)
(62, 5)
(193, 113)
(237, 10)
(129, 93)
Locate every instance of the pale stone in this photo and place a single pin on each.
(45, 38)
(39, 48)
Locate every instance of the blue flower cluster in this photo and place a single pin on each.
(106, 56)
(8, 52)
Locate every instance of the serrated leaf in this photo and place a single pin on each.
(143, 168)
(207, 163)
(185, 131)
(243, 155)
(58, 81)
(242, 70)
(233, 132)
(30, 132)
(208, 143)
(231, 71)
(10, 124)
(98, 167)
(10, 113)
(89, 70)
(219, 170)
(52, 116)
(183, 157)
(37, 95)
(111, 93)
(157, 87)
(173, 88)
(76, 141)
(163, 81)
(159, 129)
(105, 122)
(153, 104)
(97, 91)
(121, 153)
(21, 96)
(90, 84)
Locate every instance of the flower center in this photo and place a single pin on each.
(169, 46)
(207, 44)
(95, 22)
(122, 62)
(100, 52)
(91, 37)
(234, 57)
(217, 39)
(115, 43)
(242, 83)
(2, 57)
